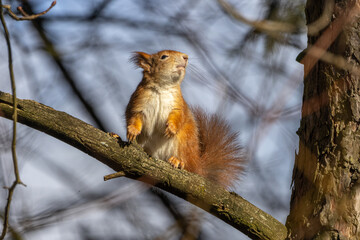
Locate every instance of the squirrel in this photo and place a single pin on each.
(158, 117)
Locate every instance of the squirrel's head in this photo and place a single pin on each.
(166, 67)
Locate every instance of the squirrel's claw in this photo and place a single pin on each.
(177, 163)
(132, 133)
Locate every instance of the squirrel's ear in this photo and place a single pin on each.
(142, 60)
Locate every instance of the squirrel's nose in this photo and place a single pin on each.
(185, 57)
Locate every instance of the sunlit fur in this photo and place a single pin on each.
(161, 121)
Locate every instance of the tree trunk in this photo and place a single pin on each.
(325, 202)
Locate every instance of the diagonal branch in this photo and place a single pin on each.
(267, 26)
(135, 163)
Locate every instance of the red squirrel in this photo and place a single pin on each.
(158, 117)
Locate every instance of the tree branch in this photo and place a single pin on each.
(14, 118)
(267, 26)
(25, 15)
(135, 164)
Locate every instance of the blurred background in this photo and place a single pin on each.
(76, 59)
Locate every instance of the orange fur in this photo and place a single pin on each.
(221, 159)
(159, 118)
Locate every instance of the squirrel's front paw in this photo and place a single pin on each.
(132, 132)
(177, 163)
(170, 130)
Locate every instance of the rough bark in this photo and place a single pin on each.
(134, 162)
(325, 202)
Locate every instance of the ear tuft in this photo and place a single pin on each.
(142, 60)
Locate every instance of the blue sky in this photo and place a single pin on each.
(96, 54)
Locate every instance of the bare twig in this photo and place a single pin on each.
(267, 26)
(276, 27)
(14, 118)
(25, 15)
(114, 175)
(14, 115)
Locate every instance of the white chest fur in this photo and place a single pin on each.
(155, 114)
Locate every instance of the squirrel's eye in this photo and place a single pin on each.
(164, 56)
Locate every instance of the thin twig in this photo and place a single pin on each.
(114, 175)
(14, 117)
(25, 15)
(267, 26)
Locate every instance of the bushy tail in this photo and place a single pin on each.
(222, 159)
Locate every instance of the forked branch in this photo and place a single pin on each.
(26, 16)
